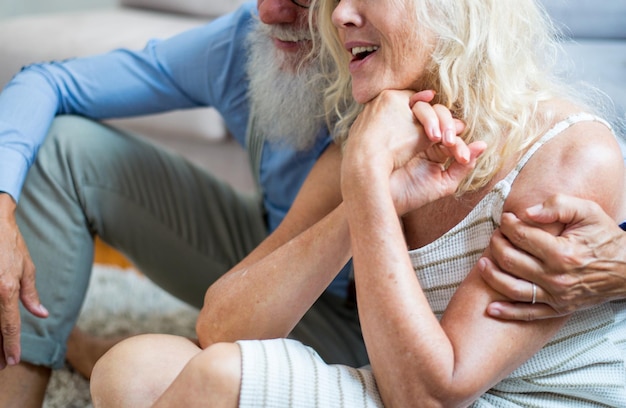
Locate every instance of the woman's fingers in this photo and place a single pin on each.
(440, 127)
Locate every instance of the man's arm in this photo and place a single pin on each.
(583, 266)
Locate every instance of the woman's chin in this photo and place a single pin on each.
(363, 97)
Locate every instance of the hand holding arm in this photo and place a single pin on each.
(583, 266)
(17, 282)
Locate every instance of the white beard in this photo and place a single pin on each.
(287, 100)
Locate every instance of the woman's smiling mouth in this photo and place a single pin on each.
(360, 53)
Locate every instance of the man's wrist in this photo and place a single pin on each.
(7, 204)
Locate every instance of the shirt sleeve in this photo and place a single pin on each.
(197, 68)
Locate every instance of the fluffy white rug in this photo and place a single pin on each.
(119, 302)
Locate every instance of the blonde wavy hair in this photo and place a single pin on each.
(491, 65)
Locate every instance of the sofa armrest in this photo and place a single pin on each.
(199, 8)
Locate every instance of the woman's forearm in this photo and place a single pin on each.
(394, 314)
(267, 299)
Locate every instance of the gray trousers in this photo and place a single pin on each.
(182, 227)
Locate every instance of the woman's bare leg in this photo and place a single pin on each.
(135, 372)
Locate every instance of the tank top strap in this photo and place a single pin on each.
(554, 131)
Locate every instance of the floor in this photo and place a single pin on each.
(105, 255)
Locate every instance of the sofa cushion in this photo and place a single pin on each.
(589, 18)
(201, 8)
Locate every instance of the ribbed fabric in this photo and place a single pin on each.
(583, 365)
(286, 373)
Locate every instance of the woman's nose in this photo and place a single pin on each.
(346, 14)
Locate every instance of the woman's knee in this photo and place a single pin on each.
(221, 360)
(214, 375)
(135, 372)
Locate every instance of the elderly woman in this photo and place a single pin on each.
(417, 248)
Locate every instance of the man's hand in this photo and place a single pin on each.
(17, 282)
(584, 266)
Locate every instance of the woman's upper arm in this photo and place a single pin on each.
(583, 161)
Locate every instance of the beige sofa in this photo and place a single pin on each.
(199, 134)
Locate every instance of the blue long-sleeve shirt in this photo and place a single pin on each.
(205, 66)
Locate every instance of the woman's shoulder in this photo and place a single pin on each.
(580, 157)
(581, 135)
